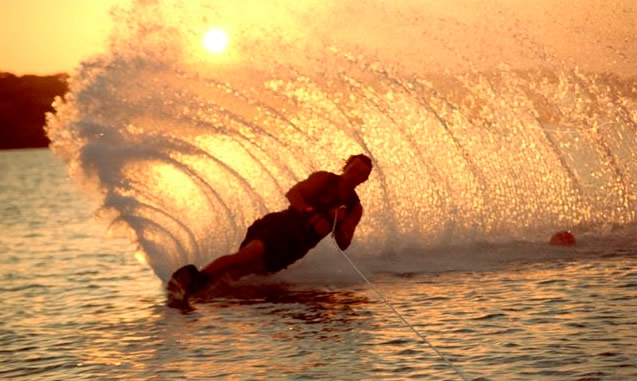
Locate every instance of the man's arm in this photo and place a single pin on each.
(345, 230)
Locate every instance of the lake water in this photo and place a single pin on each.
(76, 305)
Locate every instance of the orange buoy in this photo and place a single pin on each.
(563, 238)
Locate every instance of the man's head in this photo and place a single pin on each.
(357, 169)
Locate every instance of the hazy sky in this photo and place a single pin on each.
(51, 36)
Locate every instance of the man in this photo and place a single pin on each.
(279, 239)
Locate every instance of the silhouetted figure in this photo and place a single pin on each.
(279, 239)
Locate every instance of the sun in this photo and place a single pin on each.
(215, 40)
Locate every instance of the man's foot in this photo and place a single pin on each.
(184, 282)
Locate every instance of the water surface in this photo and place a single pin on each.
(77, 305)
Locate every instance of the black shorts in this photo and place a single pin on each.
(286, 235)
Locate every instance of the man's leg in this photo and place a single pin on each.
(248, 260)
(188, 280)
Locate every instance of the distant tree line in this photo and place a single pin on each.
(23, 103)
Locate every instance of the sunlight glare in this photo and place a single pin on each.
(215, 40)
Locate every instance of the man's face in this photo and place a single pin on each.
(356, 172)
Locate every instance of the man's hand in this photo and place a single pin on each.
(338, 213)
(320, 225)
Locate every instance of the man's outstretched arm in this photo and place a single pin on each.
(345, 230)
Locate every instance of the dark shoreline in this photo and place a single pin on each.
(24, 101)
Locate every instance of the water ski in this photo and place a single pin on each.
(184, 282)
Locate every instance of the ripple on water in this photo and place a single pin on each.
(493, 316)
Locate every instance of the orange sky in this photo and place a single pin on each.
(51, 36)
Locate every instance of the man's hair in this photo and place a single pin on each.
(362, 157)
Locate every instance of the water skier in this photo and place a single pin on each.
(279, 239)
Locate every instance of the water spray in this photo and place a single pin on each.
(384, 299)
